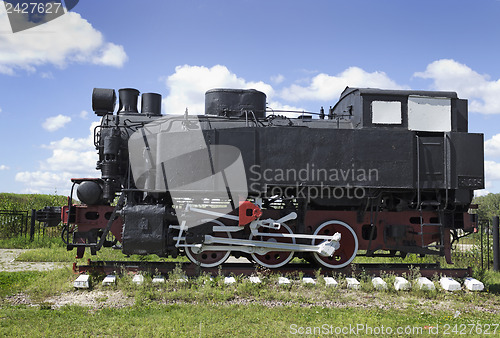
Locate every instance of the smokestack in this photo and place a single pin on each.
(151, 104)
(128, 100)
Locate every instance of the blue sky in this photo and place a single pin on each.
(302, 54)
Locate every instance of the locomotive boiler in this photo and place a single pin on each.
(382, 172)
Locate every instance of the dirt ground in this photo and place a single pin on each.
(95, 299)
(8, 262)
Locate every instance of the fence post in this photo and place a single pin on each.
(481, 230)
(496, 248)
(32, 229)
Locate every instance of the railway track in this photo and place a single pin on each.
(248, 269)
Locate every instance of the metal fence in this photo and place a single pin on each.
(485, 239)
(473, 249)
(481, 248)
(14, 223)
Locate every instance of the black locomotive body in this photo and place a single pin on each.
(382, 172)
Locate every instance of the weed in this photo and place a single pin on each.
(51, 283)
(13, 282)
(320, 279)
(414, 272)
(45, 306)
(102, 299)
(176, 273)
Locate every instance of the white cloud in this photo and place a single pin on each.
(71, 157)
(4, 167)
(450, 75)
(79, 154)
(110, 55)
(189, 83)
(284, 109)
(63, 158)
(47, 75)
(55, 122)
(84, 114)
(69, 38)
(277, 79)
(45, 182)
(491, 178)
(327, 87)
(492, 146)
(482, 192)
(491, 172)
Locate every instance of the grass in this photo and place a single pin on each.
(56, 253)
(24, 242)
(36, 284)
(209, 320)
(492, 280)
(206, 306)
(12, 281)
(209, 308)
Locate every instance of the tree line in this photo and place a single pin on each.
(488, 206)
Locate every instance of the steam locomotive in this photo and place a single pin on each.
(382, 172)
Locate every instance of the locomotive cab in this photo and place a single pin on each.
(424, 111)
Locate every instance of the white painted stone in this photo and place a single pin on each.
(329, 281)
(229, 280)
(255, 280)
(308, 280)
(424, 283)
(182, 279)
(473, 284)
(158, 279)
(401, 284)
(138, 279)
(82, 282)
(283, 280)
(449, 284)
(352, 283)
(109, 280)
(379, 283)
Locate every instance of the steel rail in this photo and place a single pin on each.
(248, 269)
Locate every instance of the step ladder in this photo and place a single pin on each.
(424, 230)
(421, 204)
